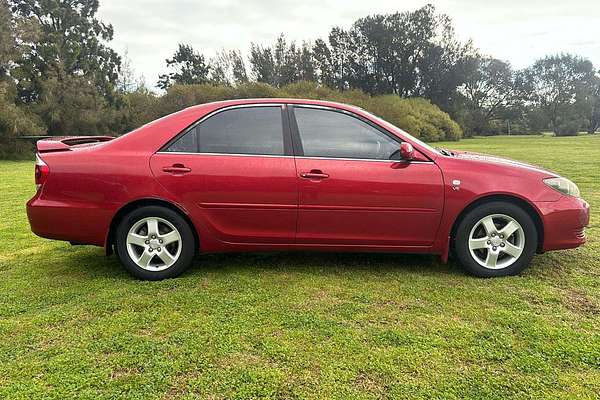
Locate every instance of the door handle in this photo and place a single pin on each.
(314, 174)
(177, 169)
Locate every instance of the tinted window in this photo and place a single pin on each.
(186, 144)
(327, 133)
(250, 130)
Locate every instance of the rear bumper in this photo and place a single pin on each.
(69, 222)
(564, 222)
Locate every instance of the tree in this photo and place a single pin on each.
(262, 64)
(72, 106)
(282, 63)
(444, 66)
(15, 120)
(556, 84)
(190, 68)
(407, 54)
(7, 39)
(15, 33)
(64, 72)
(593, 105)
(331, 61)
(128, 81)
(70, 43)
(324, 65)
(228, 68)
(489, 91)
(306, 64)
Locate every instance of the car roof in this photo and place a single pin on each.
(227, 103)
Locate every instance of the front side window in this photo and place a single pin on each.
(326, 133)
(247, 130)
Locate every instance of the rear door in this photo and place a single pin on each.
(353, 188)
(237, 168)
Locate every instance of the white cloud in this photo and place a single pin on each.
(519, 31)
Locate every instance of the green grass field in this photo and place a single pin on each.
(302, 325)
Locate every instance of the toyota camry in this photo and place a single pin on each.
(289, 174)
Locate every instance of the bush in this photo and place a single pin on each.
(179, 97)
(417, 116)
(83, 113)
(14, 122)
(138, 108)
(568, 128)
(254, 90)
(310, 90)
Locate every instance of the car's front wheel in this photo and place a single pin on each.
(496, 239)
(155, 243)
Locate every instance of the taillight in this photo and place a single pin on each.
(41, 172)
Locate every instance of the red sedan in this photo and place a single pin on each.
(283, 174)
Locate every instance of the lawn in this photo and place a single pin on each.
(302, 325)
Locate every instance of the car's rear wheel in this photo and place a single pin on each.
(155, 243)
(496, 239)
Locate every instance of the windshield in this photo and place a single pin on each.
(383, 122)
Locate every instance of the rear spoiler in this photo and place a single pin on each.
(63, 143)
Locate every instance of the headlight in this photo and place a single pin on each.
(563, 185)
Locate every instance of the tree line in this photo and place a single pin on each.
(59, 76)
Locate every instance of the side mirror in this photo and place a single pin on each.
(407, 151)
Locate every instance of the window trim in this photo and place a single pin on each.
(297, 140)
(297, 157)
(285, 130)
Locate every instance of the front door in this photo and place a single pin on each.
(352, 193)
(237, 170)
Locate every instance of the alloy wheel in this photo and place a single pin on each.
(154, 244)
(496, 241)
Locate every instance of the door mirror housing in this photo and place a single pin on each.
(407, 151)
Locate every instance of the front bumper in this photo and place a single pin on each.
(564, 222)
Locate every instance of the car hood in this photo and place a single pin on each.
(500, 161)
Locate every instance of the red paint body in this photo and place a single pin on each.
(242, 202)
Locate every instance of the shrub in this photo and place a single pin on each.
(14, 122)
(567, 128)
(417, 116)
(568, 125)
(179, 97)
(310, 90)
(138, 108)
(254, 90)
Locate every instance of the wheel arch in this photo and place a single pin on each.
(126, 209)
(518, 201)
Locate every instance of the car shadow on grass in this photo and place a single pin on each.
(94, 264)
(324, 263)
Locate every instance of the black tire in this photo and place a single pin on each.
(187, 243)
(473, 217)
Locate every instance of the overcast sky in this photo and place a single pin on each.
(519, 31)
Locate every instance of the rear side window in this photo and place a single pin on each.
(248, 130)
(326, 133)
(188, 143)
